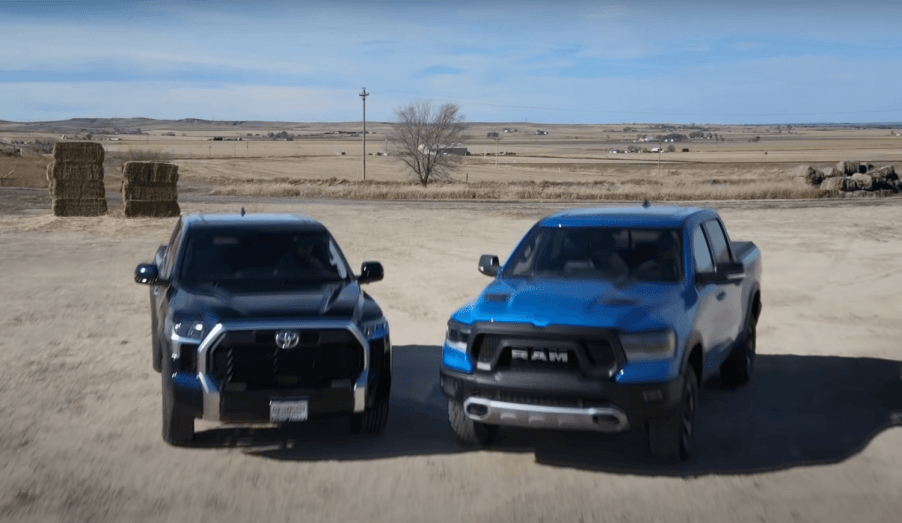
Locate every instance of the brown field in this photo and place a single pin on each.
(574, 161)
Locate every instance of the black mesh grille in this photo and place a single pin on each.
(543, 353)
(252, 358)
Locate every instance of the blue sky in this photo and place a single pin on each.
(569, 61)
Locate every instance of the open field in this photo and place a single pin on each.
(815, 437)
(578, 158)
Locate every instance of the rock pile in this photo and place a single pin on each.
(149, 189)
(76, 179)
(850, 176)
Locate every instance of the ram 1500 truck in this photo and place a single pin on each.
(259, 318)
(605, 320)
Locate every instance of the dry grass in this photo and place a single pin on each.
(678, 190)
(24, 171)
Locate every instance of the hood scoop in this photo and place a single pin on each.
(497, 297)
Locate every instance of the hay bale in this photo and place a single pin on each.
(887, 173)
(74, 171)
(152, 192)
(864, 182)
(864, 167)
(834, 183)
(136, 208)
(848, 167)
(67, 207)
(809, 175)
(78, 152)
(77, 189)
(150, 172)
(832, 172)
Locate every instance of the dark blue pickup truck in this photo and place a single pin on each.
(259, 318)
(605, 320)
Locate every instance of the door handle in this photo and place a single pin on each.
(721, 295)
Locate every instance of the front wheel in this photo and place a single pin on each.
(371, 421)
(671, 436)
(178, 426)
(468, 431)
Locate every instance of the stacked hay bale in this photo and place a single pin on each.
(149, 189)
(854, 176)
(76, 179)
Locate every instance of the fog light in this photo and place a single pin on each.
(475, 409)
(653, 396)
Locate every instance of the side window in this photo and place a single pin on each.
(700, 252)
(718, 242)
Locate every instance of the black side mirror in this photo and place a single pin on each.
(489, 265)
(147, 273)
(370, 271)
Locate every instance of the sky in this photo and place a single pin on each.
(565, 61)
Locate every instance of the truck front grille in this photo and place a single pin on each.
(251, 360)
(542, 353)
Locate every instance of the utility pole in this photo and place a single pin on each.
(363, 95)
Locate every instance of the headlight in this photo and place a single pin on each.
(648, 346)
(457, 336)
(193, 329)
(373, 330)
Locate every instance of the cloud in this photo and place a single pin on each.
(437, 70)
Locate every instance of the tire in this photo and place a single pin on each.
(737, 369)
(157, 357)
(468, 432)
(670, 437)
(371, 421)
(178, 427)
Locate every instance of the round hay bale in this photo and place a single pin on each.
(865, 167)
(74, 171)
(77, 189)
(848, 167)
(834, 183)
(864, 182)
(832, 172)
(150, 172)
(136, 208)
(809, 175)
(78, 152)
(888, 173)
(156, 192)
(66, 207)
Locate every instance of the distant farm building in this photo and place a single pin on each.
(492, 134)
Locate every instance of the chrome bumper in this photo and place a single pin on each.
(599, 419)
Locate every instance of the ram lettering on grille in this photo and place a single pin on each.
(539, 354)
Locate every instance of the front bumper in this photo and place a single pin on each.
(565, 401)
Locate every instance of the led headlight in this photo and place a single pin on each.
(457, 336)
(648, 346)
(373, 330)
(180, 328)
(454, 353)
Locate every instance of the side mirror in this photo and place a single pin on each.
(370, 271)
(489, 265)
(147, 274)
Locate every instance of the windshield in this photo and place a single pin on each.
(598, 253)
(253, 260)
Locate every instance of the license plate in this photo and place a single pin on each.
(288, 410)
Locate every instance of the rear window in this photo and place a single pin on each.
(250, 260)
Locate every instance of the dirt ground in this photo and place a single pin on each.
(815, 436)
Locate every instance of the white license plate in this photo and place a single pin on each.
(287, 411)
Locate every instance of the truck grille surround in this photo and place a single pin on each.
(252, 360)
(528, 348)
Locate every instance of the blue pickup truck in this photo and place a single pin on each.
(605, 320)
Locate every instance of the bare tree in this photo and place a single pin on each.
(420, 139)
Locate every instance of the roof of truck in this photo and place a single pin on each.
(633, 216)
(254, 219)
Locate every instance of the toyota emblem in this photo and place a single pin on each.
(287, 339)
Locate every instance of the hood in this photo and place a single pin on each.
(637, 306)
(333, 300)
